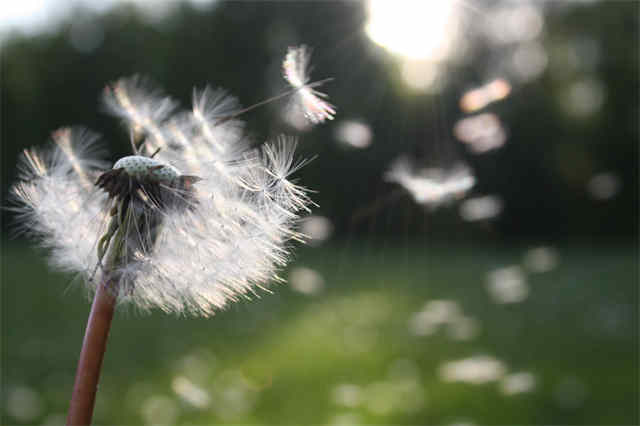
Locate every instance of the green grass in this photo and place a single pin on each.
(281, 358)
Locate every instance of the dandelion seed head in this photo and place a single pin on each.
(137, 165)
(205, 222)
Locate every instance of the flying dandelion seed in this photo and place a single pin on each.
(347, 395)
(317, 229)
(480, 97)
(507, 285)
(604, 186)
(570, 392)
(541, 259)
(353, 134)
(296, 71)
(306, 280)
(481, 208)
(431, 187)
(191, 393)
(463, 328)
(438, 313)
(476, 370)
(159, 409)
(481, 133)
(203, 193)
(517, 383)
(23, 404)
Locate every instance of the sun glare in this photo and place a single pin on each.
(415, 29)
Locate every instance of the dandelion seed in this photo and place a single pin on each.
(353, 134)
(306, 280)
(481, 208)
(517, 383)
(481, 133)
(604, 186)
(318, 229)
(507, 285)
(541, 259)
(476, 370)
(296, 72)
(431, 187)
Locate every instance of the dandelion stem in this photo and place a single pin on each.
(90, 362)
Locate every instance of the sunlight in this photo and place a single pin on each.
(414, 29)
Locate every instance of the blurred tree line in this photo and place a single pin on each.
(55, 79)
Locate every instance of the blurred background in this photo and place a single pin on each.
(474, 255)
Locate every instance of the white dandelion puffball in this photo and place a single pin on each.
(296, 71)
(189, 222)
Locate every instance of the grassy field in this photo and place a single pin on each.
(355, 352)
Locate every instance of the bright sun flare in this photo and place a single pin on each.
(415, 29)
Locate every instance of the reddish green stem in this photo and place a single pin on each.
(90, 362)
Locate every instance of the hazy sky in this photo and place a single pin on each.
(33, 16)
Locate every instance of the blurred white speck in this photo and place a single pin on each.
(421, 325)
(306, 280)
(347, 395)
(190, 393)
(480, 97)
(55, 419)
(197, 365)
(397, 396)
(578, 55)
(541, 259)
(529, 61)
(584, 97)
(475, 370)
(234, 396)
(514, 23)
(610, 319)
(85, 35)
(431, 187)
(481, 133)
(518, 383)
(295, 118)
(359, 339)
(507, 285)
(202, 4)
(437, 313)
(159, 410)
(346, 419)
(481, 208)
(423, 76)
(604, 186)
(137, 393)
(403, 369)
(24, 404)
(432, 315)
(355, 134)
(463, 328)
(570, 392)
(317, 228)
(461, 423)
